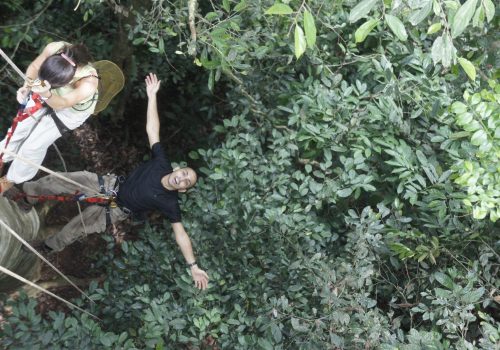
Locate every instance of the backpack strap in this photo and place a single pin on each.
(63, 129)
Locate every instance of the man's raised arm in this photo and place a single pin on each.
(153, 121)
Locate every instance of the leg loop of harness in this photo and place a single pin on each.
(107, 206)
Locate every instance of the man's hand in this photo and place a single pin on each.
(152, 85)
(200, 277)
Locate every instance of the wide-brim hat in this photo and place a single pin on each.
(111, 82)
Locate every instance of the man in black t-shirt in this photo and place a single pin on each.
(153, 185)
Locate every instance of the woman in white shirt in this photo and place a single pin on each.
(69, 88)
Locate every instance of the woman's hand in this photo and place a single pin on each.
(43, 89)
(22, 94)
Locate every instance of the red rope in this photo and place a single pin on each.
(77, 197)
(22, 114)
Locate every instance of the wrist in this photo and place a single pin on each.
(191, 265)
(45, 98)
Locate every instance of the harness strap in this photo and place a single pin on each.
(22, 114)
(107, 209)
(63, 129)
(119, 180)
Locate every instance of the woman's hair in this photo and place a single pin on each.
(60, 68)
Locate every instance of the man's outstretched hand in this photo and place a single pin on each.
(152, 84)
(200, 277)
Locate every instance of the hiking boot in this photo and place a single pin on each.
(18, 196)
(40, 246)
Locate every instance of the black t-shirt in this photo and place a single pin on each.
(142, 191)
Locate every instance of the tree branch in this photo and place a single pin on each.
(192, 13)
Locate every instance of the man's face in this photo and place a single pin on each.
(180, 179)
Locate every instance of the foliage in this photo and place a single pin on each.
(480, 119)
(28, 329)
(334, 204)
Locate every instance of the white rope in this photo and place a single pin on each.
(24, 280)
(77, 203)
(47, 170)
(19, 238)
(13, 65)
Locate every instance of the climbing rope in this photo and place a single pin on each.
(24, 280)
(90, 190)
(77, 203)
(13, 65)
(26, 244)
(77, 197)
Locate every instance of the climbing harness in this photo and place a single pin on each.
(22, 114)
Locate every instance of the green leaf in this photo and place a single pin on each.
(211, 80)
(346, 192)
(397, 27)
(434, 28)
(361, 10)
(489, 9)
(178, 323)
(444, 279)
(138, 41)
(478, 19)
(124, 247)
(421, 157)
(279, 9)
(241, 6)
(463, 17)
(458, 107)
(437, 50)
(473, 296)
(300, 41)
(265, 344)
(479, 213)
(448, 51)
(297, 326)
(216, 176)
(468, 67)
(310, 29)
(479, 137)
(419, 15)
(464, 119)
(226, 5)
(106, 340)
(364, 30)
(276, 332)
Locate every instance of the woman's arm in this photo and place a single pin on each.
(34, 67)
(84, 88)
